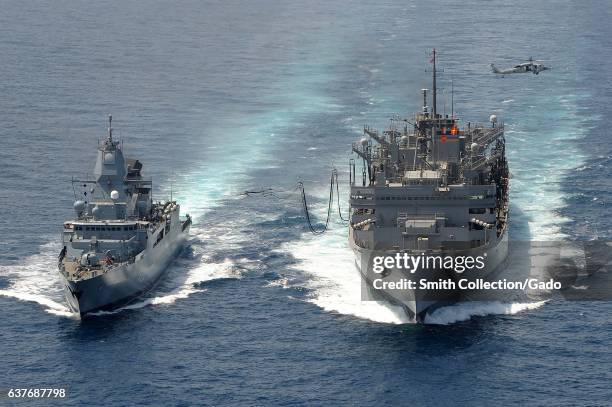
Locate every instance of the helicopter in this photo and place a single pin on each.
(535, 67)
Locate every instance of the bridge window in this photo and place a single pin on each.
(478, 210)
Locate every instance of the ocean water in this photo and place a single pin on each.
(219, 97)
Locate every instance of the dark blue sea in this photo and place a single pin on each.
(219, 97)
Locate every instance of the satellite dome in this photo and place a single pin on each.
(404, 139)
(364, 141)
(114, 195)
(493, 118)
(79, 205)
(474, 146)
(109, 158)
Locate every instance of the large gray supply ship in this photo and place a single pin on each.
(429, 188)
(120, 242)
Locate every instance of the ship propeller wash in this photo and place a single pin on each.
(432, 189)
(120, 242)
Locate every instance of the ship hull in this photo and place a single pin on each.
(419, 302)
(124, 283)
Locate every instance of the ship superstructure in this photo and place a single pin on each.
(120, 241)
(429, 187)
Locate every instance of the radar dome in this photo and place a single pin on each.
(109, 158)
(114, 195)
(364, 141)
(474, 146)
(404, 139)
(493, 118)
(79, 206)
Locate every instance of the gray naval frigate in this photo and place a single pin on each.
(120, 242)
(429, 188)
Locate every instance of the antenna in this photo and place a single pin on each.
(434, 84)
(110, 127)
(452, 99)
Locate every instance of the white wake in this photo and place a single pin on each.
(334, 280)
(36, 280)
(535, 189)
(466, 310)
(336, 286)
